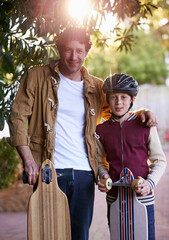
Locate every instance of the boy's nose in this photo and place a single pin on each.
(118, 100)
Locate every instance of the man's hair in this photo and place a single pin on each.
(73, 33)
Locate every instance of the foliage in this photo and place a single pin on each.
(28, 27)
(145, 62)
(8, 164)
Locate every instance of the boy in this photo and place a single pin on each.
(130, 145)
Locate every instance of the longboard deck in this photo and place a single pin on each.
(48, 210)
(128, 217)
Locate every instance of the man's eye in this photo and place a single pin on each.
(67, 50)
(79, 51)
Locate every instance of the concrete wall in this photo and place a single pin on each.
(155, 98)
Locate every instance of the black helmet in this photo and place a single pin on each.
(120, 82)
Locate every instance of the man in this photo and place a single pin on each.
(54, 116)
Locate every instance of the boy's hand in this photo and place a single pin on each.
(101, 186)
(149, 118)
(144, 189)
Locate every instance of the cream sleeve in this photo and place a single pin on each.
(157, 158)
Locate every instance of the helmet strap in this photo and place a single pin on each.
(119, 117)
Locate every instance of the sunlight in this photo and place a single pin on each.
(108, 24)
(79, 9)
(163, 21)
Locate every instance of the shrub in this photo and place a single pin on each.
(8, 164)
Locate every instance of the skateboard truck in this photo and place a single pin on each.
(122, 182)
(46, 174)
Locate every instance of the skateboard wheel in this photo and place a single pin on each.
(136, 182)
(107, 183)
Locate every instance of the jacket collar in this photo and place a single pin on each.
(88, 80)
(89, 87)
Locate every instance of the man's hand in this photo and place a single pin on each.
(101, 186)
(32, 171)
(149, 118)
(30, 166)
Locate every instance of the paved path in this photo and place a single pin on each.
(13, 225)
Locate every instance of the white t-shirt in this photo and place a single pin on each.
(70, 147)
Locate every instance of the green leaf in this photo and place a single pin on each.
(2, 120)
(2, 95)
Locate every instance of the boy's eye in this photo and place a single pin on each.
(112, 97)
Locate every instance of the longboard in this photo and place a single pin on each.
(48, 215)
(128, 217)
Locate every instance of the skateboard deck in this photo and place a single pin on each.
(128, 217)
(48, 210)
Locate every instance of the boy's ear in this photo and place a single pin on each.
(134, 99)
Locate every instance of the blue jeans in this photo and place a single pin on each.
(151, 220)
(80, 194)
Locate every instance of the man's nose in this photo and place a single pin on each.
(73, 55)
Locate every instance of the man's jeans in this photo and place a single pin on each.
(80, 194)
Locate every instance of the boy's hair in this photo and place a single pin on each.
(72, 33)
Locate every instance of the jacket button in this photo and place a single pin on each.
(92, 111)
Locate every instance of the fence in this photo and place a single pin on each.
(156, 98)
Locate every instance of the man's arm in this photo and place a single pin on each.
(147, 116)
(30, 166)
(18, 125)
(103, 165)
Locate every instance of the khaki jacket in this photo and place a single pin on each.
(34, 112)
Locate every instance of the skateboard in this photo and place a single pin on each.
(48, 216)
(128, 217)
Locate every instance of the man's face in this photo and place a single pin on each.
(72, 56)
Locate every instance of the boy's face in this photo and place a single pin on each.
(72, 56)
(119, 103)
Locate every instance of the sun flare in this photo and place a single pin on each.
(78, 9)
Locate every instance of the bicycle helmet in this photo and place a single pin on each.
(120, 82)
